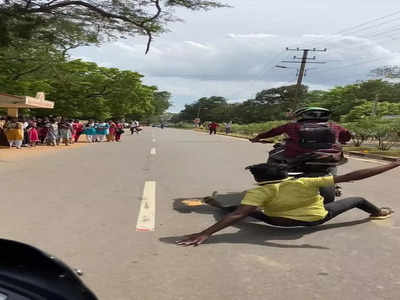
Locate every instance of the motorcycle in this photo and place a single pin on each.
(27, 273)
(318, 163)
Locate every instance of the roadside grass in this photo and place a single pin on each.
(373, 150)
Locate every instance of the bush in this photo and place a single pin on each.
(361, 131)
(386, 134)
(254, 128)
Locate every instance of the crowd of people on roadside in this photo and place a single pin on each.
(30, 132)
(212, 127)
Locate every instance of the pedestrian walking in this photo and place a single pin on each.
(213, 127)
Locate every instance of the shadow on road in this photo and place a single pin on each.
(251, 232)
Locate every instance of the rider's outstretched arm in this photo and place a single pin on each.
(271, 133)
(365, 173)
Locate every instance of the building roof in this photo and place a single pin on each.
(12, 101)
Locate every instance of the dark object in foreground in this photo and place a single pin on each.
(27, 273)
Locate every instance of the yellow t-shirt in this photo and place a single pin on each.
(297, 199)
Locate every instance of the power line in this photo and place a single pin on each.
(385, 32)
(350, 29)
(374, 26)
(368, 22)
(359, 63)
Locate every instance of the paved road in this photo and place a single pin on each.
(83, 206)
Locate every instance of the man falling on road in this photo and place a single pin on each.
(284, 201)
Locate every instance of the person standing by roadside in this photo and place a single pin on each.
(58, 139)
(101, 131)
(78, 130)
(65, 131)
(90, 131)
(3, 138)
(112, 131)
(15, 133)
(119, 131)
(213, 127)
(52, 133)
(135, 127)
(25, 124)
(42, 129)
(228, 127)
(33, 133)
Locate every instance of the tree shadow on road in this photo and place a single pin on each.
(251, 232)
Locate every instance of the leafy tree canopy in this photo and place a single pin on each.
(89, 21)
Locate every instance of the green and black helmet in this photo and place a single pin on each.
(312, 113)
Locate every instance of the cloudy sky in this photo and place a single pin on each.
(231, 52)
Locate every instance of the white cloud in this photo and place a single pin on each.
(197, 45)
(251, 36)
(237, 69)
(232, 52)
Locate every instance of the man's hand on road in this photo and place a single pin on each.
(194, 239)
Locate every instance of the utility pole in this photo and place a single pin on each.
(375, 105)
(303, 61)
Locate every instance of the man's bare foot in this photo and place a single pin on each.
(212, 201)
(385, 212)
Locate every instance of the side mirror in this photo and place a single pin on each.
(27, 273)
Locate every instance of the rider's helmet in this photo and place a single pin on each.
(312, 113)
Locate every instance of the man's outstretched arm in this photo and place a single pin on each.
(271, 133)
(365, 173)
(198, 238)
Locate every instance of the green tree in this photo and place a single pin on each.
(361, 131)
(97, 19)
(208, 109)
(372, 109)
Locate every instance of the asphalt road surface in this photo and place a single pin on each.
(116, 210)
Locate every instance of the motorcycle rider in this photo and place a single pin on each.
(309, 133)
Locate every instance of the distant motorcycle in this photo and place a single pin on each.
(318, 163)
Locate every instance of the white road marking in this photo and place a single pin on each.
(370, 160)
(153, 151)
(147, 213)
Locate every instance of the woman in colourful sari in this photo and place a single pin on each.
(14, 131)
